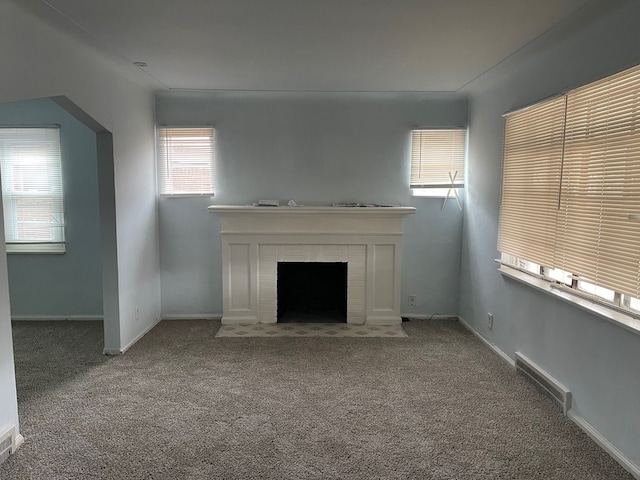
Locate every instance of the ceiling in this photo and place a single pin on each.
(308, 45)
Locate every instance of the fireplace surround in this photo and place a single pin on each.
(256, 239)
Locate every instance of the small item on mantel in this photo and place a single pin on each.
(267, 203)
(363, 205)
(292, 203)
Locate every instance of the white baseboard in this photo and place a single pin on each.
(191, 316)
(492, 346)
(19, 442)
(605, 444)
(46, 318)
(426, 316)
(120, 351)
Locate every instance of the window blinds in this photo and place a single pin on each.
(601, 184)
(435, 154)
(587, 156)
(186, 160)
(531, 181)
(31, 169)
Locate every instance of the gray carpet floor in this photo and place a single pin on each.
(182, 404)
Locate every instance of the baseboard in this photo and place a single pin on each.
(10, 441)
(426, 316)
(19, 441)
(492, 346)
(46, 318)
(605, 444)
(191, 316)
(120, 351)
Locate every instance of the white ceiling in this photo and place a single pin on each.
(319, 45)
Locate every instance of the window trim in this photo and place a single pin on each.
(438, 189)
(36, 248)
(210, 194)
(32, 247)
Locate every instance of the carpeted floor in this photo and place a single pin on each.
(182, 404)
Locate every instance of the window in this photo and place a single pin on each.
(571, 189)
(186, 160)
(31, 169)
(437, 160)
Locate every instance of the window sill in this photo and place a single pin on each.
(611, 315)
(187, 195)
(36, 248)
(432, 192)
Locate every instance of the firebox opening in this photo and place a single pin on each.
(312, 292)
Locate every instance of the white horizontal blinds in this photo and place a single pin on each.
(435, 154)
(31, 169)
(531, 181)
(186, 160)
(601, 184)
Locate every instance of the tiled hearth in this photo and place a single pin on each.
(311, 330)
(255, 239)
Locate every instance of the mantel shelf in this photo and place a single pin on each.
(312, 210)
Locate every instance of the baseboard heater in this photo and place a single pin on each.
(7, 444)
(545, 382)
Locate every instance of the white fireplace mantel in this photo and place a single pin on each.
(255, 239)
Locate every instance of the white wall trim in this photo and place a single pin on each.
(46, 318)
(492, 346)
(120, 351)
(605, 444)
(191, 316)
(18, 443)
(586, 427)
(429, 316)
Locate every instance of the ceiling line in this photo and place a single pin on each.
(99, 40)
(555, 25)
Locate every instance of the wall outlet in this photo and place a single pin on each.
(413, 299)
(137, 312)
(490, 320)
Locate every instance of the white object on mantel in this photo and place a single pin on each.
(255, 239)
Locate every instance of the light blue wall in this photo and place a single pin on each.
(69, 284)
(597, 360)
(315, 149)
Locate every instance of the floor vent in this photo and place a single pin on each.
(546, 383)
(7, 444)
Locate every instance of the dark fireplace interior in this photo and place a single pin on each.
(312, 292)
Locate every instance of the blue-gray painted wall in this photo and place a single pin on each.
(316, 149)
(597, 360)
(68, 284)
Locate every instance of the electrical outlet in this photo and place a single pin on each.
(137, 312)
(490, 320)
(413, 299)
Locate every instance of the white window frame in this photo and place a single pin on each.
(438, 188)
(25, 245)
(194, 154)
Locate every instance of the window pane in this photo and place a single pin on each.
(31, 167)
(596, 290)
(558, 275)
(186, 161)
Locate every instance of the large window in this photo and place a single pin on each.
(570, 205)
(186, 160)
(30, 165)
(437, 160)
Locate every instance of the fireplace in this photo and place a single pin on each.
(312, 292)
(256, 240)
